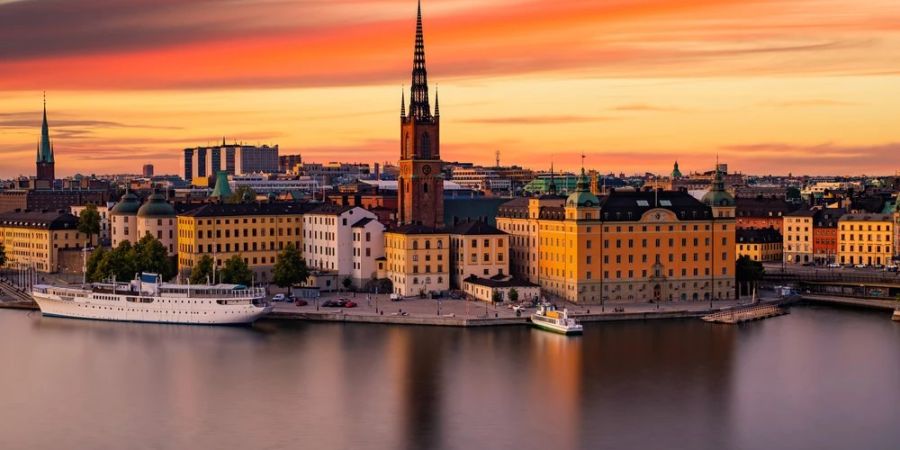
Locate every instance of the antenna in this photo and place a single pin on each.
(497, 153)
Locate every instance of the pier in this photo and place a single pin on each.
(745, 314)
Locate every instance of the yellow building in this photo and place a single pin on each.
(417, 259)
(34, 239)
(798, 236)
(866, 239)
(760, 244)
(625, 246)
(479, 249)
(255, 231)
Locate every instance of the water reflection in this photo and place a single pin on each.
(681, 384)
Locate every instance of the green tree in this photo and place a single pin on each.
(348, 283)
(242, 194)
(236, 271)
(119, 262)
(203, 271)
(290, 267)
(2, 255)
(150, 255)
(793, 193)
(93, 261)
(496, 297)
(747, 273)
(513, 295)
(89, 222)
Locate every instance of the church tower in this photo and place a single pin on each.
(420, 185)
(45, 164)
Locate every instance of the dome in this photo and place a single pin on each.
(582, 197)
(718, 198)
(156, 206)
(128, 205)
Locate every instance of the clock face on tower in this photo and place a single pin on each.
(426, 169)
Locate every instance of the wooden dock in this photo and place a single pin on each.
(745, 314)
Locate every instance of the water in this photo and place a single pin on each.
(816, 379)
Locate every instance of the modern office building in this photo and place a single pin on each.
(235, 159)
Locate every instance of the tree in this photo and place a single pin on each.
(2, 255)
(93, 261)
(792, 194)
(242, 194)
(203, 271)
(290, 267)
(496, 297)
(379, 285)
(236, 271)
(747, 273)
(513, 295)
(348, 283)
(152, 256)
(89, 222)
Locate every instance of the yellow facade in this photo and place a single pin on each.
(256, 232)
(32, 242)
(417, 260)
(760, 252)
(866, 239)
(477, 249)
(798, 237)
(590, 254)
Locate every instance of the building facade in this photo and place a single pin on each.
(417, 259)
(330, 245)
(761, 245)
(825, 236)
(627, 246)
(477, 249)
(255, 231)
(421, 181)
(34, 239)
(235, 159)
(866, 239)
(799, 242)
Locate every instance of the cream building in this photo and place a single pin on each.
(417, 259)
(798, 236)
(33, 239)
(329, 242)
(478, 249)
(368, 249)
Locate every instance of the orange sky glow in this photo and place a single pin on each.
(770, 86)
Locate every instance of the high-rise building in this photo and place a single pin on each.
(235, 159)
(421, 181)
(148, 170)
(45, 162)
(289, 163)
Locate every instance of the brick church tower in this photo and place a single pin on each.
(420, 186)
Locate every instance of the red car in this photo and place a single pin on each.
(350, 304)
(300, 302)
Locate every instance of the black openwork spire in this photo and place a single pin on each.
(419, 107)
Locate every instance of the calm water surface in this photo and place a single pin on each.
(816, 379)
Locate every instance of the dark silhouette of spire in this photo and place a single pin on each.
(419, 107)
(402, 103)
(45, 148)
(437, 103)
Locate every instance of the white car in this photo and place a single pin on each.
(278, 298)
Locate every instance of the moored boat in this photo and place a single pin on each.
(550, 319)
(148, 299)
(896, 316)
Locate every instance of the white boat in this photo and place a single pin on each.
(148, 299)
(551, 319)
(896, 315)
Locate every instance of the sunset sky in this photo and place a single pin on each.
(771, 86)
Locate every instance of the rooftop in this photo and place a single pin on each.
(250, 209)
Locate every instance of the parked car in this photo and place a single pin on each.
(300, 302)
(278, 298)
(350, 304)
(396, 297)
(834, 266)
(860, 266)
(332, 304)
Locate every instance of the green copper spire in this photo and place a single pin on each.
(222, 189)
(45, 149)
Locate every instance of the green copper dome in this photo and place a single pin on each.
(222, 189)
(582, 197)
(717, 195)
(128, 205)
(156, 206)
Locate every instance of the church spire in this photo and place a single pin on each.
(402, 103)
(419, 107)
(45, 149)
(437, 103)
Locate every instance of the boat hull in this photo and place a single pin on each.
(559, 329)
(176, 311)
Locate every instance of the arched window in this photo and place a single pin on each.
(425, 186)
(427, 245)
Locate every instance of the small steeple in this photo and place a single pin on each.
(402, 103)
(551, 187)
(437, 103)
(45, 148)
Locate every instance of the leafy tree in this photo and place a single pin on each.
(152, 256)
(747, 273)
(379, 285)
(348, 283)
(290, 267)
(89, 222)
(497, 297)
(2, 255)
(242, 194)
(203, 271)
(236, 271)
(513, 295)
(793, 193)
(93, 261)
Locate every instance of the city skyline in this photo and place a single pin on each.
(657, 81)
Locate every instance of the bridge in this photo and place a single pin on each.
(875, 289)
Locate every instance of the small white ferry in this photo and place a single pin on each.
(896, 316)
(148, 299)
(550, 319)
